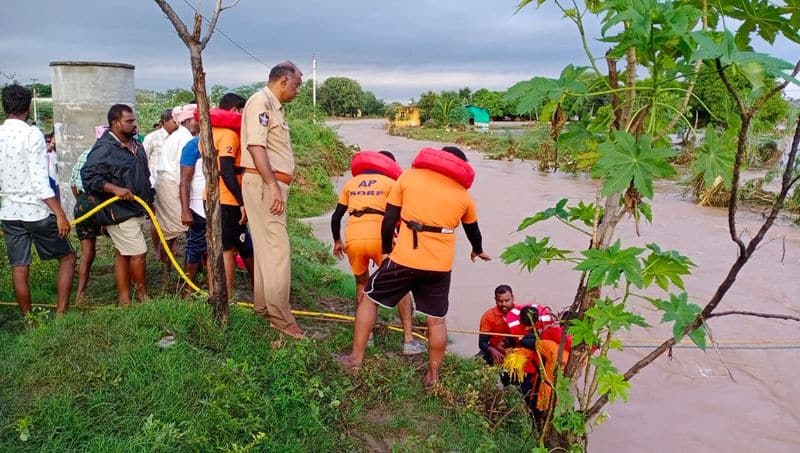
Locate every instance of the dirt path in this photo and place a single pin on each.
(688, 403)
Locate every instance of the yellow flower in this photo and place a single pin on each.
(514, 364)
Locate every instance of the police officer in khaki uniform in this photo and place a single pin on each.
(269, 170)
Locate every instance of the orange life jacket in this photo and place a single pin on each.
(364, 161)
(223, 118)
(446, 164)
(545, 320)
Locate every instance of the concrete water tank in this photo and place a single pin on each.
(83, 91)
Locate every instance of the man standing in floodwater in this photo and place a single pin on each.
(269, 170)
(431, 205)
(117, 166)
(29, 210)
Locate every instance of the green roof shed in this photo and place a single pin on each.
(478, 114)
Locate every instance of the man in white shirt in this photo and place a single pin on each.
(168, 200)
(154, 141)
(29, 210)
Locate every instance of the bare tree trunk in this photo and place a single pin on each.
(195, 42)
(218, 291)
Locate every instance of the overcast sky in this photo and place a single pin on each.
(396, 48)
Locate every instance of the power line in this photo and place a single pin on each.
(217, 28)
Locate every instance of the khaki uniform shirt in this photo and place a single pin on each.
(263, 123)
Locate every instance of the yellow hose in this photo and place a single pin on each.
(186, 278)
(161, 237)
(338, 317)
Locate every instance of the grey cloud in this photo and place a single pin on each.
(395, 48)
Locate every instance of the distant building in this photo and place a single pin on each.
(407, 116)
(477, 116)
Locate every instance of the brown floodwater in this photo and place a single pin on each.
(688, 403)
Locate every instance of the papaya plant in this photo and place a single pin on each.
(655, 50)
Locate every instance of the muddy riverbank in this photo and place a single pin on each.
(688, 403)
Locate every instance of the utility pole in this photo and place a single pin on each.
(314, 82)
(35, 115)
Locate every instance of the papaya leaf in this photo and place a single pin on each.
(602, 120)
(544, 92)
(614, 385)
(678, 310)
(583, 332)
(664, 267)
(549, 109)
(761, 17)
(564, 399)
(604, 365)
(577, 139)
(755, 66)
(626, 159)
(792, 7)
(646, 210)
(715, 158)
(573, 422)
(587, 160)
(606, 314)
(583, 212)
(605, 266)
(531, 252)
(557, 211)
(698, 337)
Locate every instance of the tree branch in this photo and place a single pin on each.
(197, 30)
(613, 83)
(574, 227)
(736, 95)
(213, 22)
(726, 284)
(716, 350)
(755, 314)
(180, 27)
(693, 81)
(763, 99)
(236, 2)
(630, 84)
(746, 115)
(685, 103)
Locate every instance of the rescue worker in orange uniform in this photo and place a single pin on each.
(364, 198)
(493, 347)
(431, 204)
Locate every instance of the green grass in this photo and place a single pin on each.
(495, 144)
(318, 154)
(96, 380)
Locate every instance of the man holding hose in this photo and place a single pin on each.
(117, 166)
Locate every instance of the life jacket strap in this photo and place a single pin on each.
(418, 227)
(368, 210)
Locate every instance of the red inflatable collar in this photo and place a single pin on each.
(364, 161)
(446, 164)
(223, 118)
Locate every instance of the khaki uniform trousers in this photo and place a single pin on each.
(271, 253)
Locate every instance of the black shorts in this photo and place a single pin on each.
(235, 236)
(392, 281)
(43, 233)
